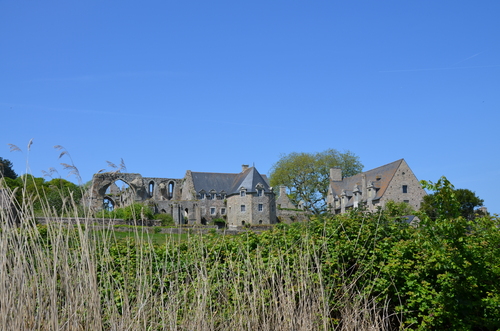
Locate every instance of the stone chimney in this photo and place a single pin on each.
(335, 174)
(282, 191)
(244, 167)
(363, 187)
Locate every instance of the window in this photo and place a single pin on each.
(405, 188)
(260, 192)
(243, 193)
(261, 207)
(170, 193)
(406, 201)
(243, 208)
(212, 210)
(213, 196)
(202, 196)
(223, 211)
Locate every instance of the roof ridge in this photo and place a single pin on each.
(219, 173)
(382, 166)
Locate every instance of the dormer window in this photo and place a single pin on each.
(243, 193)
(202, 195)
(260, 190)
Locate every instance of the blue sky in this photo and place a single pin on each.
(170, 86)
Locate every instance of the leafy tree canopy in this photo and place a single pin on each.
(306, 175)
(6, 169)
(448, 202)
(57, 195)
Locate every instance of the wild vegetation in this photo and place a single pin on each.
(356, 271)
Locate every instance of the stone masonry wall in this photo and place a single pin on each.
(404, 176)
(251, 215)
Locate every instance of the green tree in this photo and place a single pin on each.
(61, 194)
(449, 202)
(6, 169)
(306, 175)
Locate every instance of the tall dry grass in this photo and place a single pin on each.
(67, 277)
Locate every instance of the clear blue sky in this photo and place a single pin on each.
(171, 86)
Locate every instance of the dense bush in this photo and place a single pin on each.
(135, 211)
(360, 270)
(439, 275)
(165, 219)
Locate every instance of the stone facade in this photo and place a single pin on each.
(252, 205)
(394, 181)
(245, 198)
(239, 199)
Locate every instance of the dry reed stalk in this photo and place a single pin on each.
(67, 280)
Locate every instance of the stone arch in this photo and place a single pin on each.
(101, 182)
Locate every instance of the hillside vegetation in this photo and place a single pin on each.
(357, 271)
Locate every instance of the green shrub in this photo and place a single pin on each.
(165, 219)
(219, 221)
(137, 211)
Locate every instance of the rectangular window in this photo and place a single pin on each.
(202, 196)
(405, 188)
(406, 201)
(261, 207)
(212, 210)
(242, 208)
(223, 211)
(260, 192)
(242, 193)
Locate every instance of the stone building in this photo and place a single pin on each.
(240, 199)
(394, 181)
(245, 198)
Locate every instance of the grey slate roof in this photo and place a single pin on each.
(229, 183)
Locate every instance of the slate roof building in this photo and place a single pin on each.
(243, 198)
(394, 181)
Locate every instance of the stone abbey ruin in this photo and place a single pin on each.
(240, 199)
(246, 198)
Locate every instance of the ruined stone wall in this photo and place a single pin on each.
(283, 201)
(140, 189)
(291, 216)
(183, 212)
(188, 191)
(101, 182)
(163, 188)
